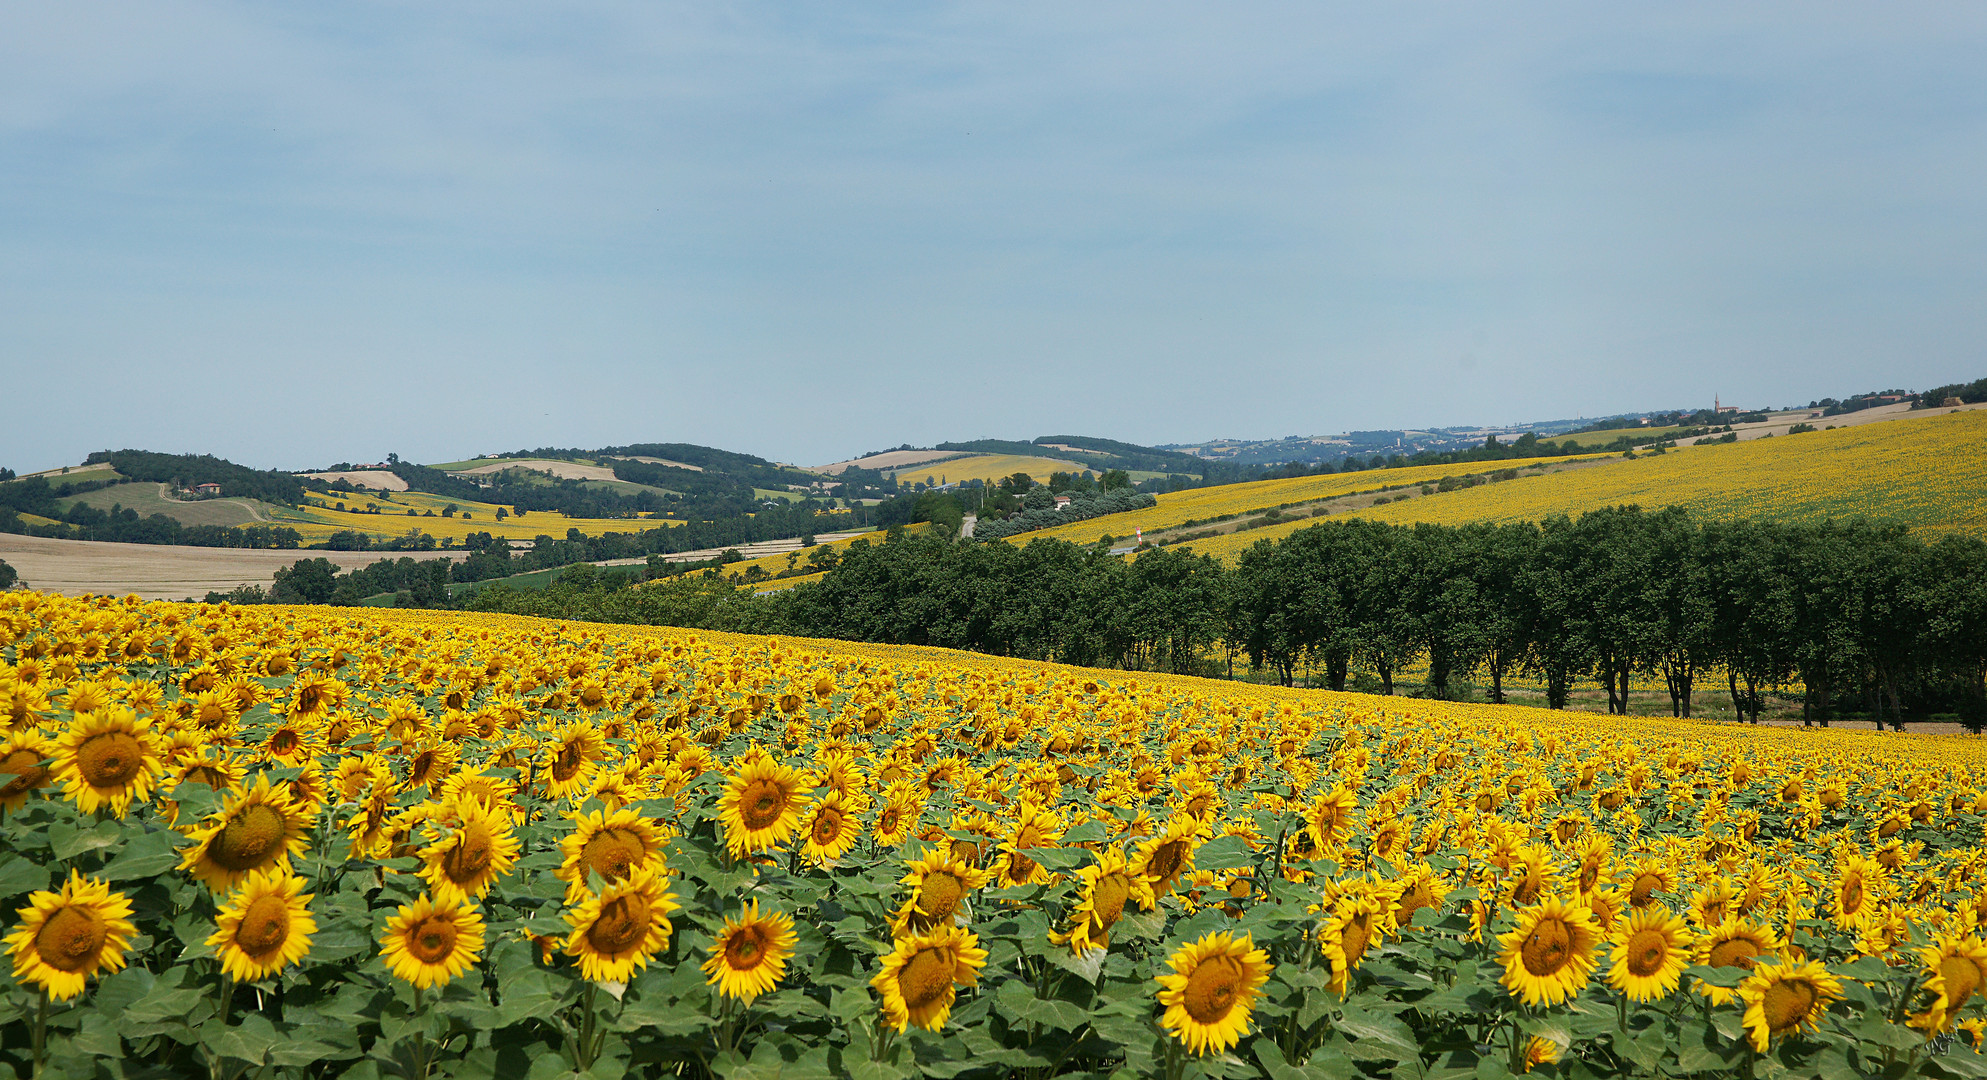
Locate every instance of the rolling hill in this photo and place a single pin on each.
(1928, 473)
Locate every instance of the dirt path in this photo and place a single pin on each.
(162, 571)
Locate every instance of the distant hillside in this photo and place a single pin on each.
(1924, 472)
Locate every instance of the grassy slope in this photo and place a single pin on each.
(1928, 473)
(149, 498)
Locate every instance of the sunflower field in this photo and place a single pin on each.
(295, 842)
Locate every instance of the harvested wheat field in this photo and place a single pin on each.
(160, 571)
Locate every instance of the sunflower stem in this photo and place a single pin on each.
(41, 1035)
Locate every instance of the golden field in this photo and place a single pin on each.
(295, 841)
(1928, 473)
(1205, 504)
(989, 468)
(318, 520)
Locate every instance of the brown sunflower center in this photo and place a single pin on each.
(1413, 899)
(1548, 947)
(432, 940)
(623, 922)
(1852, 894)
(925, 978)
(612, 852)
(71, 939)
(470, 858)
(1212, 988)
(572, 756)
(827, 826)
(1647, 950)
(1787, 1003)
(265, 926)
(1962, 979)
(110, 759)
(745, 949)
(248, 840)
(939, 893)
(1107, 898)
(1020, 867)
(1354, 936)
(1644, 889)
(24, 766)
(1738, 953)
(1166, 859)
(761, 804)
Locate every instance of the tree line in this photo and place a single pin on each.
(1864, 618)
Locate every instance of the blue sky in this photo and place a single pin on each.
(293, 235)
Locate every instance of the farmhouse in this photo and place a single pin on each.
(206, 489)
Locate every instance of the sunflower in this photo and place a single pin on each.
(832, 828)
(265, 926)
(65, 937)
(1649, 954)
(576, 752)
(1593, 850)
(1735, 943)
(464, 863)
(1647, 878)
(1784, 997)
(750, 953)
(940, 885)
(24, 765)
(429, 944)
(314, 695)
(1354, 924)
(1955, 969)
(619, 928)
(897, 818)
(1329, 818)
(1034, 827)
(1857, 882)
(260, 830)
(1211, 994)
(761, 805)
(1549, 956)
(1164, 857)
(920, 974)
(1106, 886)
(108, 759)
(1420, 887)
(611, 845)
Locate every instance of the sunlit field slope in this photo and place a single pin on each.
(299, 842)
(1929, 473)
(1206, 504)
(988, 468)
(319, 519)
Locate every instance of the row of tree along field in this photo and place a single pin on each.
(1856, 618)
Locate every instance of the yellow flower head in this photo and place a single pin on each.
(1651, 948)
(108, 759)
(429, 944)
(750, 953)
(1210, 995)
(1549, 956)
(260, 830)
(65, 937)
(620, 928)
(920, 975)
(264, 927)
(1784, 997)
